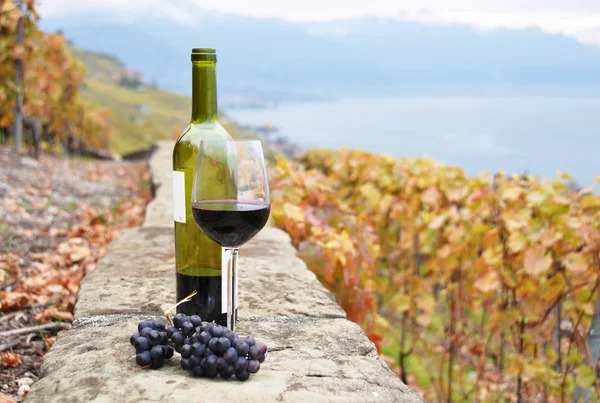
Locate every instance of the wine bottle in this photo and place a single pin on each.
(198, 259)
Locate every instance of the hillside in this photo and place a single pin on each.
(141, 113)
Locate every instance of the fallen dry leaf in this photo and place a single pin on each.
(10, 359)
(11, 299)
(6, 399)
(49, 342)
(52, 313)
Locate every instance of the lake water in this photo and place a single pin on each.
(538, 135)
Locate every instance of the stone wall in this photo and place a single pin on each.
(315, 353)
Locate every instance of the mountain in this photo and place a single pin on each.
(362, 57)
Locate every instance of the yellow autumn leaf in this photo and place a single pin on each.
(575, 262)
(512, 193)
(536, 261)
(487, 282)
(294, 212)
(371, 193)
(426, 302)
(400, 302)
(517, 241)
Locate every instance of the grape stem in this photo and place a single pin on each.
(186, 299)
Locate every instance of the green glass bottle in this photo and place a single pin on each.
(198, 259)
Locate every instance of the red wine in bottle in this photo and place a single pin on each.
(197, 257)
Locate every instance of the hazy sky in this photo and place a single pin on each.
(576, 18)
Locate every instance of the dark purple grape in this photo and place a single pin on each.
(195, 338)
(203, 362)
(163, 337)
(185, 364)
(208, 352)
(179, 319)
(242, 375)
(250, 340)
(230, 355)
(241, 364)
(168, 351)
(133, 337)
(144, 358)
(218, 331)
(157, 352)
(229, 334)
(204, 326)
(187, 341)
(254, 352)
(212, 361)
(242, 349)
(212, 344)
(177, 338)
(141, 344)
(172, 330)
(253, 366)
(156, 364)
(186, 351)
(159, 325)
(187, 328)
(263, 348)
(237, 342)
(196, 321)
(205, 337)
(211, 326)
(211, 372)
(221, 363)
(154, 338)
(177, 347)
(144, 324)
(199, 350)
(145, 332)
(227, 372)
(198, 370)
(195, 361)
(222, 345)
(262, 358)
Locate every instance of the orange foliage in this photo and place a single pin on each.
(452, 271)
(52, 79)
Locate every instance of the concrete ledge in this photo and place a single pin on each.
(315, 353)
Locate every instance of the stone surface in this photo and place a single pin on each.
(307, 361)
(137, 277)
(160, 210)
(316, 355)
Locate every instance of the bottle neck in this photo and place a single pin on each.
(204, 91)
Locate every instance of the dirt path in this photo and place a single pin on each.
(56, 218)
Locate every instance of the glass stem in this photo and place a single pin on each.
(231, 286)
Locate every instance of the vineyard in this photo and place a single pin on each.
(40, 83)
(473, 289)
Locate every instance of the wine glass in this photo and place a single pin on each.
(230, 201)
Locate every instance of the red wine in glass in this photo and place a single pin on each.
(231, 223)
(232, 205)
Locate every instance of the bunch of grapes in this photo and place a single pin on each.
(151, 344)
(208, 349)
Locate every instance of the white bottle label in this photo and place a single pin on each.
(179, 196)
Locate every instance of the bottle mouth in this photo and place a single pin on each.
(204, 54)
